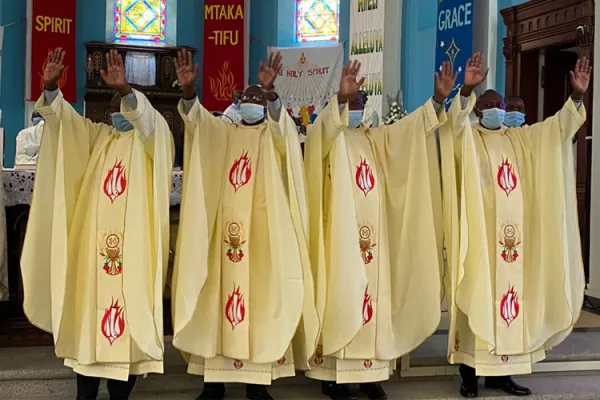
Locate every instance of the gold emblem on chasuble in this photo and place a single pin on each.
(507, 179)
(281, 361)
(115, 182)
(509, 306)
(510, 239)
(237, 364)
(367, 242)
(456, 342)
(367, 364)
(365, 180)
(110, 249)
(113, 322)
(318, 358)
(505, 359)
(235, 309)
(241, 171)
(234, 240)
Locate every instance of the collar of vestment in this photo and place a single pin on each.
(485, 130)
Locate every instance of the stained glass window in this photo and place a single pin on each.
(141, 19)
(317, 20)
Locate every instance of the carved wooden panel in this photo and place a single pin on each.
(554, 25)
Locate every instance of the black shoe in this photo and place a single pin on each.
(374, 391)
(257, 392)
(212, 391)
(469, 387)
(507, 385)
(336, 391)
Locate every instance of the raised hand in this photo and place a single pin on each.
(187, 72)
(115, 76)
(444, 82)
(54, 68)
(475, 74)
(349, 85)
(268, 73)
(580, 78)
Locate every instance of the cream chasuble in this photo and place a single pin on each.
(372, 242)
(515, 278)
(96, 248)
(242, 285)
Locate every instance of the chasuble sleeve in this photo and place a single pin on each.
(67, 142)
(332, 121)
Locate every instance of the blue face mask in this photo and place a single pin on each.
(514, 119)
(120, 123)
(36, 120)
(493, 118)
(252, 113)
(355, 117)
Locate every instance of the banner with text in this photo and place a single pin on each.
(223, 61)
(454, 38)
(366, 45)
(308, 78)
(53, 27)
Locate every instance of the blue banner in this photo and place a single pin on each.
(454, 37)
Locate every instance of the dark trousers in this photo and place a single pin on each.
(87, 388)
(468, 375)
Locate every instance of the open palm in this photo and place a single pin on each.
(268, 73)
(350, 84)
(187, 72)
(114, 76)
(580, 76)
(475, 74)
(444, 81)
(54, 67)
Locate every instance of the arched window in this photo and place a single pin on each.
(317, 20)
(141, 19)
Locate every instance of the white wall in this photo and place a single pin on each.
(594, 285)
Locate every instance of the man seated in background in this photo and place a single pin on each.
(28, 141)
(232, 113)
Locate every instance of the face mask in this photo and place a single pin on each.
(355, 117)
(36, 120)
(252, 113)
(493, 118)
(120, 123)
(514, 119)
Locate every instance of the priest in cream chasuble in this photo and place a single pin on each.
(242, 282)
(515, 272)
(96, 247)
(372, 239)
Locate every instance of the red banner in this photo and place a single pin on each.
(53, 26)
(223, 66)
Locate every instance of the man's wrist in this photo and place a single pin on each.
(189, 93)
(466, 91)
(125, 90)
(271, 95)
(50, 86)
(342, 99)
(577, 96)
(438, 98)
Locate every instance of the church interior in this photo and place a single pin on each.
(529, 46)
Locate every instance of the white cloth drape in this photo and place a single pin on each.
(140, 68)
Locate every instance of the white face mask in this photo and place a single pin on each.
(252, 113)
(355, 117)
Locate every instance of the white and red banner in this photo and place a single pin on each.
(308, 79)
(223, 65)
(366, 45)
(53, 26)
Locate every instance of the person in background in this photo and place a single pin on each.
(361, 112)
(515, 112)
(28, 141)
(232, 113)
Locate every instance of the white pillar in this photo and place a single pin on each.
(392, 33)
(593, 288)
(485, 39)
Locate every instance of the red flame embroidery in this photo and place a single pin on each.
(367, 308)
(509, 306)
(115, 181)
(367, 364)
(507, 180)
(364, 177)
(235, 311)
(113, 323)
(240, 171)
